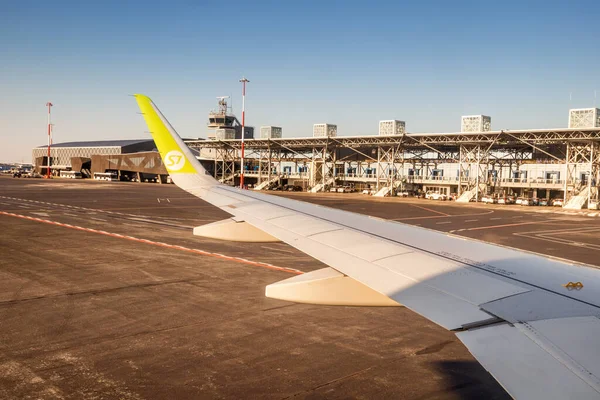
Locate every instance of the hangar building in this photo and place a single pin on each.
(61, 154)
(133, 156)
(129, 159)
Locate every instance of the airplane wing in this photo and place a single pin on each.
(532, 322)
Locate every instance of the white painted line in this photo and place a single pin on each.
(275, 249)
(494, 218)
(444, 222)
(472, 220)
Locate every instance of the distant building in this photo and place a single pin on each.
(223, 125)
(270, 132)
(224, 134)
(584, 118)
(129, 159)
(476, 123)
(392, 127)
(324, 130)
(61, 154)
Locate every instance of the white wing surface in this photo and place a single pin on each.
(533, 322)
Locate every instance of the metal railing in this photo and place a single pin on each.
(533, 180)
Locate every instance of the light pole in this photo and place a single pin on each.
(48, 104)
(243, 80)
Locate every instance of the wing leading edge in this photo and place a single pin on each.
(511, 307)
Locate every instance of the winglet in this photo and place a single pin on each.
(177, 157)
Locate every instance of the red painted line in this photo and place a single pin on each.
(160, 244)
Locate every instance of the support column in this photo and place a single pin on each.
(269, 165)
(216, 164)
(590, 169)
(378, 166)
(566, 177)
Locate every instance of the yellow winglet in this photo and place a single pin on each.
(176, 156)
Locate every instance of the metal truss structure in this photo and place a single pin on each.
(583, 162)
(481, 156)
(225, 163)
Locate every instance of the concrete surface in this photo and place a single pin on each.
(107, 307)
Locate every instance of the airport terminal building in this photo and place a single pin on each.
(477, 161)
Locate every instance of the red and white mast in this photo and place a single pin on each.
(243, 80)
(48, 104)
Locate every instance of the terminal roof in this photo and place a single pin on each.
(101, 143)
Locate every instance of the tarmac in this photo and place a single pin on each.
(105, 294)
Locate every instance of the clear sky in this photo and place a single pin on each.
(350, 63)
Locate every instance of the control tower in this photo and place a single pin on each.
(223, 125)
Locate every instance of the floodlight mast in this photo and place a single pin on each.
(243, 80)
(48, 104)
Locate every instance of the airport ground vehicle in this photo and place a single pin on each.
(105, 176)
(506, 200)
(70, 174)
(292, 188)
(558, 202)
(527, 202)
(435, 196)
(489, 200)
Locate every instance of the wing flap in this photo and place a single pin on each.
(530, 366)
(539, 305)
(572, 340)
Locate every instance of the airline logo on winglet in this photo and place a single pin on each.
(168, 143)
(174, 160)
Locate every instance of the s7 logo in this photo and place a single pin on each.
(174, 160)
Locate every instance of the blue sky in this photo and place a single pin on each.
(349, 63)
